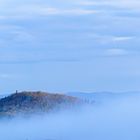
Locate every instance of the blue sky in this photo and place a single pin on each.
(69, 45)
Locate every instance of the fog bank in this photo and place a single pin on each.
(116, 120)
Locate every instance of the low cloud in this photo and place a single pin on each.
(111, 120)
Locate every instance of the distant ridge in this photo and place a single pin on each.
(27, 102)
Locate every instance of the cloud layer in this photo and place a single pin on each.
(94, 37)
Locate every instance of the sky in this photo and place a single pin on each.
(69, 45)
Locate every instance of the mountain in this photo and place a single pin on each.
(26, 103)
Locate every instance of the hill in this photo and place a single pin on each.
(35, 102)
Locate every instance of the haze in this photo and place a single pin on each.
(115, 119)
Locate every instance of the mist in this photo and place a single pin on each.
(117, 119)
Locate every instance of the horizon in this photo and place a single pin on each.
(63, 46)
(71, 92)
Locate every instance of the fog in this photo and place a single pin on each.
(116, 119)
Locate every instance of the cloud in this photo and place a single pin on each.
(114, 8)
(122, 38)
(105, 39)
(74, 12)
(115, 3)
(29, 11)
(116, 52)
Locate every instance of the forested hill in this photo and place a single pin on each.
(35, 102)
